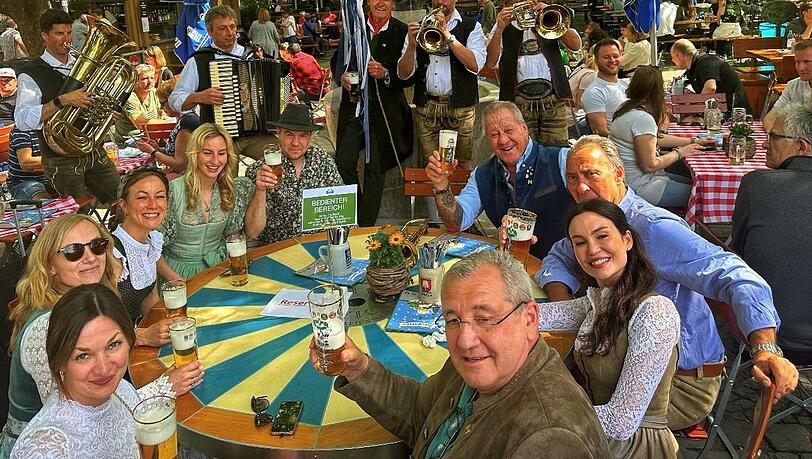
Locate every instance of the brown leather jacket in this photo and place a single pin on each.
(540, 412)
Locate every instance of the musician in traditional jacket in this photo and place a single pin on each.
(532, 74)
(194, 85)
(446, 88)
(389, 116)
(38, 100)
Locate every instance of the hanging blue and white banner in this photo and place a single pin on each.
(642, 13)
(190, 33)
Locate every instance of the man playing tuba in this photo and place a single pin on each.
(39, 100)
(531, 72)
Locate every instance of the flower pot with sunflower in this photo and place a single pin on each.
(389, 272)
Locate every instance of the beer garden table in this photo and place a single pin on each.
(246, 354)
(715, 181)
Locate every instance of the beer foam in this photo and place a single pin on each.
(446, 136)
(150, 429)
(236, 248)
(174, 299)
(182, 335)
(273, 158)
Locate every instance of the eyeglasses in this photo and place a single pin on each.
(260, 405)
(773, 137)
(75, 251)
(480, 324)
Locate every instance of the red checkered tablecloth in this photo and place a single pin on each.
(128, 164)
(716, 182)
(63, 206)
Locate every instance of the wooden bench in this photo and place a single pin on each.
(158, 130)
(691, 104)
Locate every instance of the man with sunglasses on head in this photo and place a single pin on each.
(502, 392)
(771, 224)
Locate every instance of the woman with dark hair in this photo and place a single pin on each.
(636, 130)
(89, 339)
(636, 50)
(627, 333)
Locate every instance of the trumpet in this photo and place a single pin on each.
(430, 37)
(551, 22)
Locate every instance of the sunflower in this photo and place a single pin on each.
(373, 245)
(396, 238)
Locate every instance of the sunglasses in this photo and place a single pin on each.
(260, 405)
(75, 252)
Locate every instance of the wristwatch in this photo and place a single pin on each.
(58, 103)
(769, 347)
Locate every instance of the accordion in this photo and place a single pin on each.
(256, 91)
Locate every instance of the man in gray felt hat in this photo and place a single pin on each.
(275, 211)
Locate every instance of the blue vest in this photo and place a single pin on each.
(539, 188)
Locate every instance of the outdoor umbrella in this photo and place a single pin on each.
(190, 33)
(645, 16)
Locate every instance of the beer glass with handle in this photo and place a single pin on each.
(183, 335)
(327, 318)
(235, 245)
(519, 229)
(355, 91)
(155, 426)
(174, 293)
(273, 158)
(448, 142)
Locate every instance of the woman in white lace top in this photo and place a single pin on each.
(89, 340)
(627, 334)
(72, 250)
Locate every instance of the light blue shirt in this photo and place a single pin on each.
(689, 268)
(469, 200)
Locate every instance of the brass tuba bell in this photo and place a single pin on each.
(551, 22)
(109, 79)
(430, 37)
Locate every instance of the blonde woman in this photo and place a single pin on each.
(72, 250)
(142, 106)
(155, 57)
(205, 204)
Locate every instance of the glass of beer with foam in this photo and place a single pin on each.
(183, 335)
(273, 158)
(355, 90)
(235, 245)
(174, 293)
(448, 143)
(519, 228)
(155, 426)
(326, 314)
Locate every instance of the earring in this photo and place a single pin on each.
(61, 375)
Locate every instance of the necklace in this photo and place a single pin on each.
(206, 205)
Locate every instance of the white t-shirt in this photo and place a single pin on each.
(603, 96)
(797, 91)
(579, 80)
(288, 26)
(622, 132)
(636, 54)
(668, 15)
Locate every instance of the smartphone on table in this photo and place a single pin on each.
(287, 418)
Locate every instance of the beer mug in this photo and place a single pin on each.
(338, 258)
(235, 245)
(111, 150)
(273, 158)
(448, 142)
(739, 115)
(355, 91)
(519, 228)
(155, 425)
(174, 293)
(183, 335)
(327, 317)
(431, 282)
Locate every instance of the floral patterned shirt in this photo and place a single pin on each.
(283, 205)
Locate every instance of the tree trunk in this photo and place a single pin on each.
(26, 14)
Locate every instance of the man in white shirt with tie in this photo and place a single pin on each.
(39, 97)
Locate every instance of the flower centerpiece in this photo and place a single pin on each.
(388, 273)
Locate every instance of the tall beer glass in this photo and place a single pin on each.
(174, 293)
(328, 327)
(520, 226)
(183, 335)
(355, 91)
(235, 245)
(273, 158)
(448, 143)
(155, 426)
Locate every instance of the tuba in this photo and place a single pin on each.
(109, 79)
(551, 22)
(430, 38)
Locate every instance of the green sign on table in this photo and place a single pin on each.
(329, 207)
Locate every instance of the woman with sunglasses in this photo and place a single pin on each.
(205, 204)
(71, 250)
(155, 57)
(636, 130)
(174, 153)
(626, 349)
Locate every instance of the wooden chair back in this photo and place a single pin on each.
(158, 131)
(690, 104)
(741, 45)
(5, 136)
(761, 419)
(418, 183)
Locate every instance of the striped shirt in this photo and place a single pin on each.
(19, 140)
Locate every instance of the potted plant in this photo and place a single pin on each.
(744, 130)
(388, 273)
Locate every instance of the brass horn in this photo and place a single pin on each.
(109, 79)
(430, 38)
(551, 22)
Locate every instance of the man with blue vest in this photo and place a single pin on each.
(522, 173)
(532, 74)
(446, 85)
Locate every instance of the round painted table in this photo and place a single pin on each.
(246, 354)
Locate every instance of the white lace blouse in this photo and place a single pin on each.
(141, 258)
(653, 332)
(67, 429)
(35, 361)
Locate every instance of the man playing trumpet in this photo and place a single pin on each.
(531, 72)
